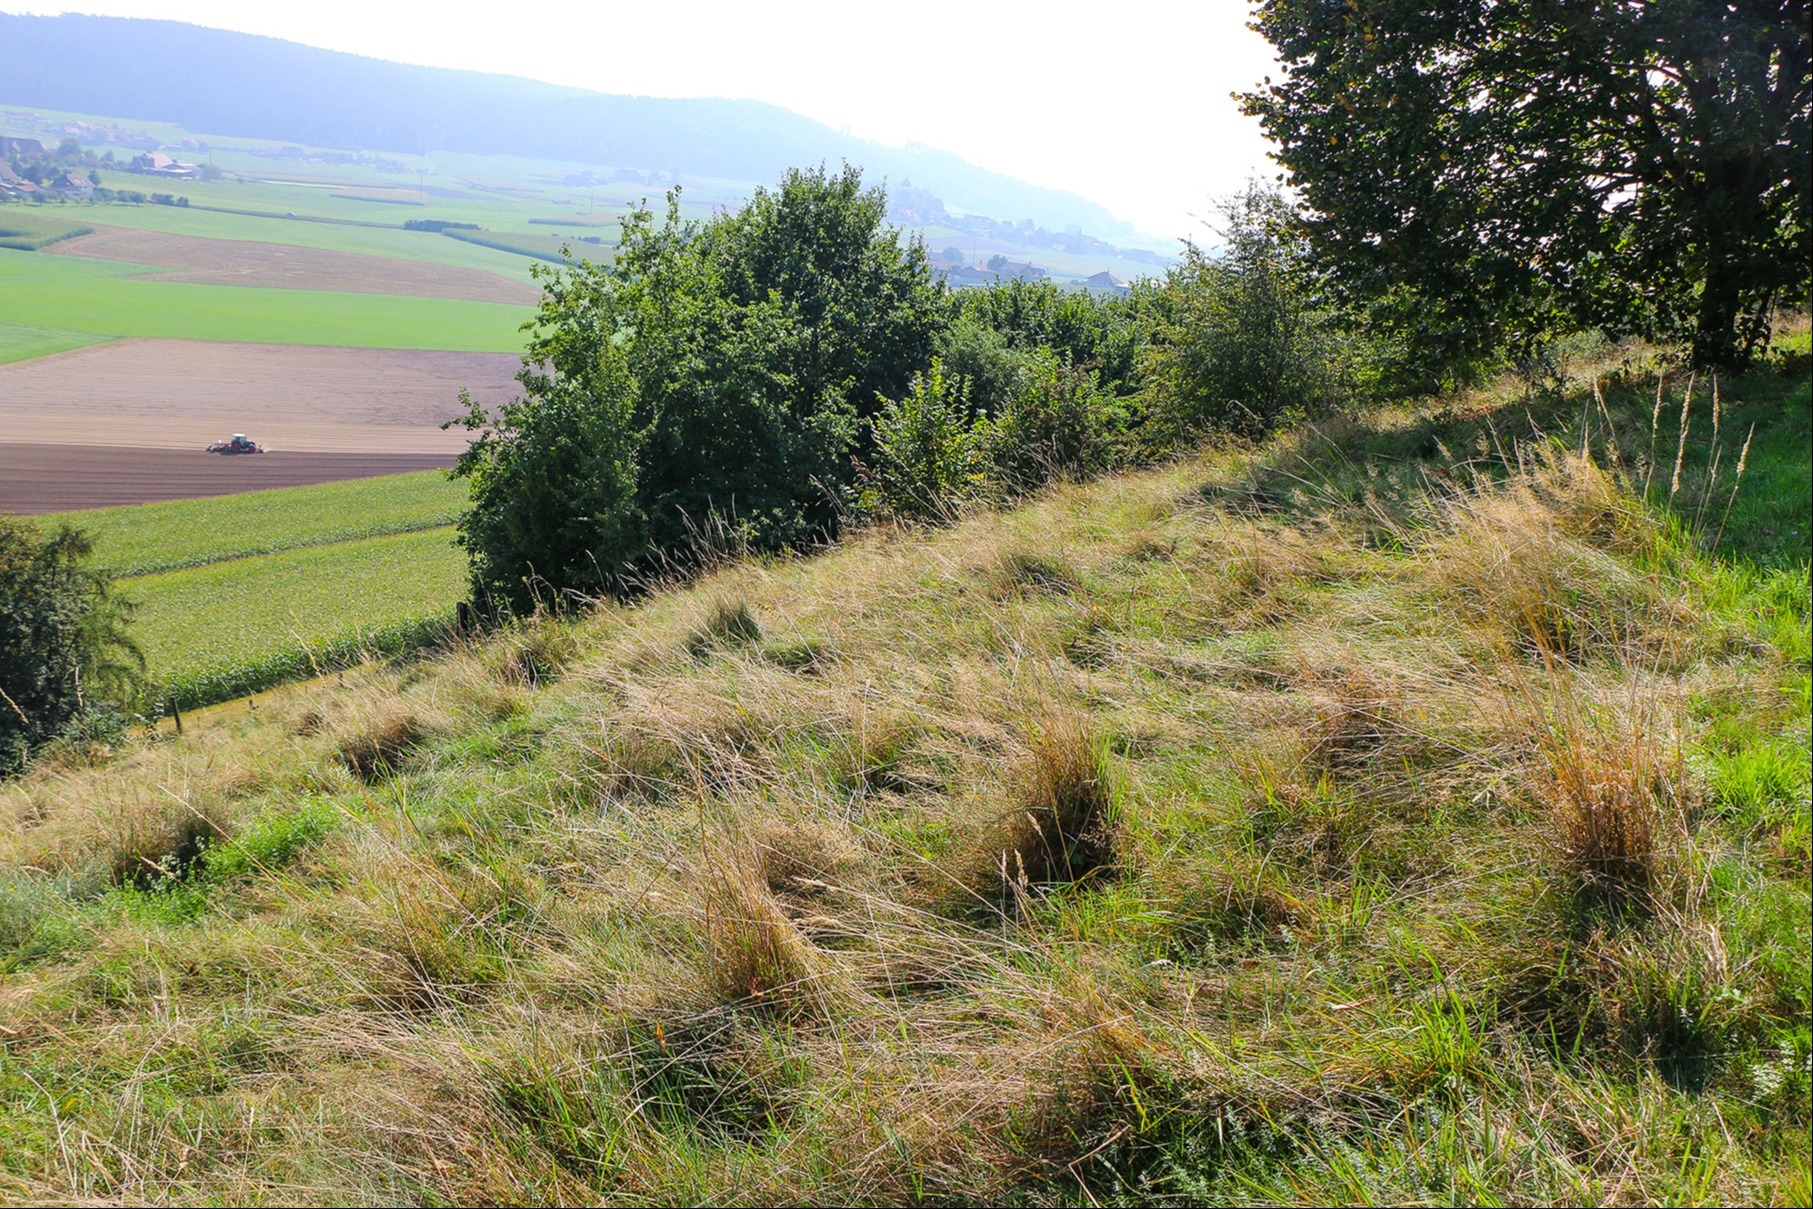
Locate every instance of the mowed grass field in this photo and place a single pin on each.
(105, 300)
(237, 593)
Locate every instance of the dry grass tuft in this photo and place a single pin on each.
(531, 651)
(1612, 793)
(803, 855)
(1060, 824)
(685, 736)
(1356, 715)
(310, 721)
(1014, 570)
(754, 951)
(372, 744)
(1508, 564)
(145, 842)
(726, 622)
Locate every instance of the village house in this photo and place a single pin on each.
(1105, 280)
(12, 185)
(1014, 270)
(72, 184)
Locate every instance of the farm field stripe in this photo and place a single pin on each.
(37, 479)
(113, 304)
(208, 624)
(203, 260)
(177, 534)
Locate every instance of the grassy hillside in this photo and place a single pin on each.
(1402, 811)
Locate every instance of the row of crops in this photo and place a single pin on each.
(240, 593)
(540, 247)
(30, 232)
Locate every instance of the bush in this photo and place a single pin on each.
(1240, 343)
(706, 389)
(929, 451)
(63, 644)
(1059, 423)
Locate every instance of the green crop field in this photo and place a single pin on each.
(27, 231)
(23, 341)
(149, 538)
(218, 631)
(107, 299)
(264, 219)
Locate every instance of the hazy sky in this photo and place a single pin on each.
(1126, 103)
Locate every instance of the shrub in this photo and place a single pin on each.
(708, 386)
(1240, 343)
(62, 638)
(1059, 423)
(929, 451)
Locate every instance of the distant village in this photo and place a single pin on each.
(64, 166)
(68, 168)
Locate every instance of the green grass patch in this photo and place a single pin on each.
(28, 232)
(102, 299)
(145, 539)
(1765, 518)
(219, 631)
(23, 341)
(271, 841)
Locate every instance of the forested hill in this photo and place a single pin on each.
(228, 83)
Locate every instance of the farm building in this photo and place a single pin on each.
(156, 163)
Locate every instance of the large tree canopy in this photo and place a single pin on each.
(1638, 165)
(709, 383)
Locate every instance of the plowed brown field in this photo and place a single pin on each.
(233, 262)
(126, 423)
(181, 394)
(60, 478)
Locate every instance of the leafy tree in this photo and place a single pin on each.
(713, 381)
(63, 644)
(553, 511)
(1239, 340)
(761, 339)
(1539, 163)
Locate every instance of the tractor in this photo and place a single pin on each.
(239, 442)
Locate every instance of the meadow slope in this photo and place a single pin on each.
(1401, 811)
